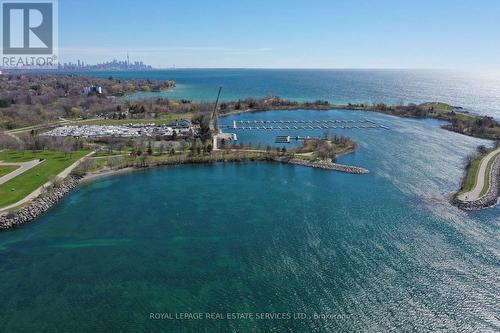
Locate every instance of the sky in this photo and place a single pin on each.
(452, 34)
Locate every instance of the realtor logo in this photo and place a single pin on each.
(29, 28)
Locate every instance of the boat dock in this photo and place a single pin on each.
(301, 124)
(289, 138)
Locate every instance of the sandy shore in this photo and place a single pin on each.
(106, 172)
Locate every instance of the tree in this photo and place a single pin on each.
(194, 147)
(150, 148)
(142, 160)
(482, 149)
(68, 150)
(119, 146)
(205, 132)
(209, 148)
(73, 112)
(324, 150)
(182, 145)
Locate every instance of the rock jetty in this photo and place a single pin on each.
(55, 193)
(328, 166)
(40, 205)
(490, 198)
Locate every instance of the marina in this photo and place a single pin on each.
(272, 125)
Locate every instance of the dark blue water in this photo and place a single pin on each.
(383, 252)
(477, 92)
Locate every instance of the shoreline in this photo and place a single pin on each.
(430, 110)
(40, 204)
(490, 198)
(46, 200)
(487, 200)
(105, 173)
(95, 175)
(39, 191)
(259, 156)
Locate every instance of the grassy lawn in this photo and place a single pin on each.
(38, 127)
(6, 169)
(438, 106)
(22, 185)
(162, 120)
(106, 153)
(472, 174)
(16, 156)
(471, 178)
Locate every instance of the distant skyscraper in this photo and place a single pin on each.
(114, 65)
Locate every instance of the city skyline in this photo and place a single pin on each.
(115, 64)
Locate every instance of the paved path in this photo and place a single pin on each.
(15, 137)
(38, 191)
(23, 167)
(475, 193)
(68, 170)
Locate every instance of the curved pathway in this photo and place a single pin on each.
(15, 137)
(23, 167)
(38, 191)
(475, 193)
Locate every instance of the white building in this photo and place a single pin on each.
(92, 89)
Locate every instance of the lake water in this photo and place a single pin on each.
(375, 253)
(477, 92)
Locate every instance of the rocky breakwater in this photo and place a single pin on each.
(40, 205)
(490, 198)
(327, 165)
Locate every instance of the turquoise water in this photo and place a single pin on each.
(477, 92)
(379, 252)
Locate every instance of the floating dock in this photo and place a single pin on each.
(301, 124)
(289, 138)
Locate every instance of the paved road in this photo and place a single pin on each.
(474, 194)
(24, 166)
(15, 137)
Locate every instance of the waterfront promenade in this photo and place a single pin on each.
(481, 180)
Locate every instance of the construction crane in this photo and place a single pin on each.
(214, 123)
